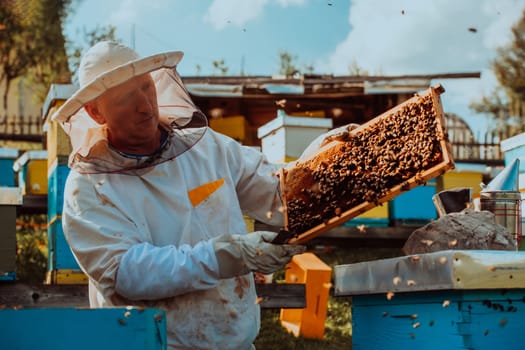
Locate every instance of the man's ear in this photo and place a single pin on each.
(94, 112)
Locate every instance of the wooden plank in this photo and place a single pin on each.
(16, 295)
(421, 177)
(281, 295)
(19, 295)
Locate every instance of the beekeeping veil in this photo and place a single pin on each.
(107, 65)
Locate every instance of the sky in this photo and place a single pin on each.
(383, 37)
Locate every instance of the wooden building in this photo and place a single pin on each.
(255, 100)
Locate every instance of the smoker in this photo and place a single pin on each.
(502, 197)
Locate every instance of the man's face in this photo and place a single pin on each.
(131, 114)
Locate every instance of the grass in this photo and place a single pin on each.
(338, 324)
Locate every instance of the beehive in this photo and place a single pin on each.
(448, 299)
(62, 267)
(308, 322)
(31, 167)
(7, 159)
(62, 328)
(235, 126)
(394, 152)
(284, 138)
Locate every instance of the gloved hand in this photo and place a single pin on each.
(338, 134)
(239, 254)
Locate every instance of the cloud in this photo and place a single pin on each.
(221, 13)
(286, 3)
(126, 13)
(423, 37)
(404, 37)
(130, 11)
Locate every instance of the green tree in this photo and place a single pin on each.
(90, 38)
(31, 42)
(52, 64)
(355, 69)
(220, 66)
(287, 64)
(506, 104)
(309, 68)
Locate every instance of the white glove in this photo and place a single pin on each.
(338, 134)
(239, 254)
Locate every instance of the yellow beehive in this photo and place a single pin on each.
(315, 274)
(31, 167)
(234, 126)
(379, 212)
(464, 175)
(58, 144)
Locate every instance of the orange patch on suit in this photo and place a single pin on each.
(198, 194)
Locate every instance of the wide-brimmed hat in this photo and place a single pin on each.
(106, 65)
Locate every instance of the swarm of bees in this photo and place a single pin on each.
(365, 166)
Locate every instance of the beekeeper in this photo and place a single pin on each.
(154, 202)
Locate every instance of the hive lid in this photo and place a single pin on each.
(11, 196)
(285, 120)
(8, 153)
(57, 92)
(506, 180)
(27, 156)
(447, 269)
(512, 142)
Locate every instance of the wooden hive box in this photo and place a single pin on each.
(449, 299)
(7, 159)
(63, 328)
(392, 153)
(284, 138)
(31, 167)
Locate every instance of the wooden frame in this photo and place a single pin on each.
(447, 163)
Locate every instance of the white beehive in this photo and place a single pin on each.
(284, 138)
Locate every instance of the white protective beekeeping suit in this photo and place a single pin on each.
(145, 228)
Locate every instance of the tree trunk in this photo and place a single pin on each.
(6, 94)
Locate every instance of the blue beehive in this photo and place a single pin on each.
(63, 328)
(60, 256)
(58, 173)
(472, 319)
(62, 266)
(457, 299)
(7, 174)
(414, 206)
